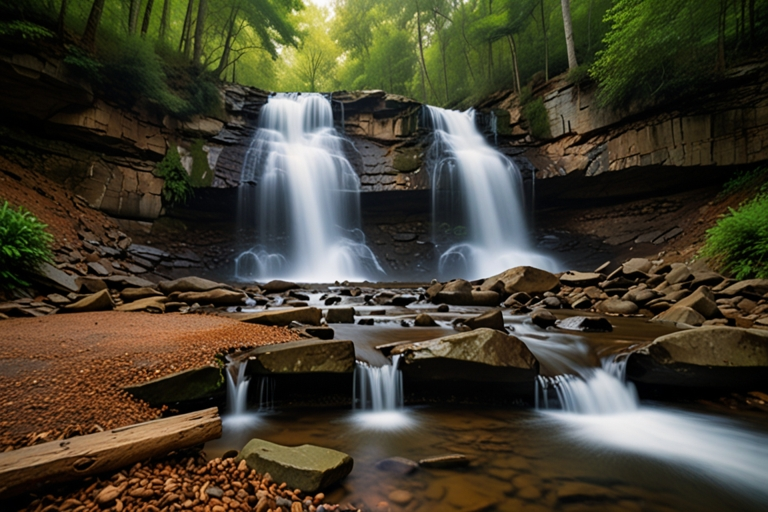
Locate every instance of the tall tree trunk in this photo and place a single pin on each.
(572, 62)
(147, 16)
(133, 16)
(164, 19)
(546, 42)
(62, 18)
(187, 28)
(424, 73)
(513, 51)
(440, 35)
(224, 62)
(92, 25)
(199, 25)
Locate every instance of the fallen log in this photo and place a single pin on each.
(25, 469)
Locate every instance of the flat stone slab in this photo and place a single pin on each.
(186, 386)
(306, 467)
(283, 317)
(303, 356)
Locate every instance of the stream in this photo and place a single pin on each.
(590, 443)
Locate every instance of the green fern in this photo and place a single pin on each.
(177, 188)
(24, 245)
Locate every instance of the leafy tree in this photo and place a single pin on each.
(312, 66)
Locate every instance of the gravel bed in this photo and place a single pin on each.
(61, 375)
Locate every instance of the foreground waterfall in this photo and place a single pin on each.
(378, 396)
(301, 195)
(476, 192)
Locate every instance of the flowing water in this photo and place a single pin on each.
(477, 194)
(300, 198)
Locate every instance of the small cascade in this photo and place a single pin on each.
(477, 194)
(237, 389)
(300, 197)
(593, 391)
(378, 389)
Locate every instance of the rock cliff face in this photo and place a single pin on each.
(106, 153)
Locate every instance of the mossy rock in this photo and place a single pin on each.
(407, 159)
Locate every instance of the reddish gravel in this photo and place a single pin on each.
(61, 375)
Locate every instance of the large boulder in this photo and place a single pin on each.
(217, 297)
(523, 279)
(101, 301)
(483, 360)
(617, 307)
(705, 357)
(488, 298)
(303, 356)
(278, 286)
(679, 315)
(187, 386)
(747, 287)
(306, 467)
(189, 284)
(50, 276)
(307, 316)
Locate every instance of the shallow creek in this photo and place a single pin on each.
(614, 453)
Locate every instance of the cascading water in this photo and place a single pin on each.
(237, 389)
(300, 194)
(378, 395)
(477, 193)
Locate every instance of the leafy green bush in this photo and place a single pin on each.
(24, 245)
(201, 175)
(738, 243)
(538, 121)
(177, 188)
(24, 30)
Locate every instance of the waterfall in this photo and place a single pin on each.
(378, 389)
(301, 197)
(476, 194)
(237, 389)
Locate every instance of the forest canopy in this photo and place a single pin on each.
(445, 52)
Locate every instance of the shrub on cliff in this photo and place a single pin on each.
(24, 245)
(739, 240)
(177, 188)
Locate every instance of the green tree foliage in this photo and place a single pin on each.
(660, 49)
(24, 245)
(177, 187)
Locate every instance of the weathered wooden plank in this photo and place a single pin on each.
(24, 469)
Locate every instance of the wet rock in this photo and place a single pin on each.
(617, 306)
(585, 324)
(704, 357)
(330, 301)
(582, 303)
(150, 304)
(189, 284)
(550, 303)
(491, 320)
(340, 316)
(366, 321)
(101, 301)
(485, 298)
(523, 279)
(217, 297)
(458, 363)
(424, 320)
(702, 300)
(306, 467)
(680, 315)
(400, 497)
(679, 274)
(573, 278)
(307, 316)
(403, 300)
(131, 294)
(443, 308)
(454, 298)
(188, 386)
(433, 290)
(398, 465)
(453, 460)
(321, 332)
(542, 318)
(299, 296)
(304, 356)
(458, 285)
